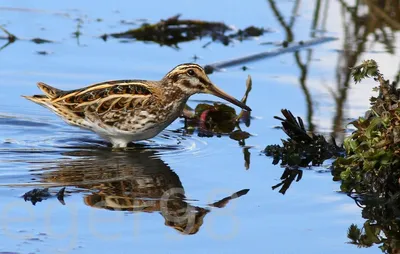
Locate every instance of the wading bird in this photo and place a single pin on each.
(122, 111)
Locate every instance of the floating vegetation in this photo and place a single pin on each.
(301, 149)
(174, 30)
(218, 119)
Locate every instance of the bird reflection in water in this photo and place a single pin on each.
(137, 181)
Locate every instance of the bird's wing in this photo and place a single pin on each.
(107, 96)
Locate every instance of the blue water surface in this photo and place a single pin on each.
(38, 149)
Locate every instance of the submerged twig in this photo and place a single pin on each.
(262, 55)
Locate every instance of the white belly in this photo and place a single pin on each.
(120, 138)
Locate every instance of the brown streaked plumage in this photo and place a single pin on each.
(122, 111)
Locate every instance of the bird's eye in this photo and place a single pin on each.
(190, 72)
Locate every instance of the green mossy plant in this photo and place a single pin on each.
(372, 160)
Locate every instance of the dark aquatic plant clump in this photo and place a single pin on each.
(301, 149)
(174, 30)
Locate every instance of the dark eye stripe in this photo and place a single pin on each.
(186, 83)
(202, 80)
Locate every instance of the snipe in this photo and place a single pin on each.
(122, 111)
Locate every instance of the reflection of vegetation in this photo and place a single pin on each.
(174, 30)
(361, 25)
(303, 66)
(288, 176)
(362, 19)
(137, 181)
(381, 226)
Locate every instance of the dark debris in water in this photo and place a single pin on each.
(40, 41)
(43, 53)
(38, 195)
(174, 30)
(11, 38)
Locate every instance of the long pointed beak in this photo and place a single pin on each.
(221, 94)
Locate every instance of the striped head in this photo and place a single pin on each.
(191, 78)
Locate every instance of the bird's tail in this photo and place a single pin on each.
(46, 100)
(49, 94)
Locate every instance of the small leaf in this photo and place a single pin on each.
(372, 126)
(345, 174)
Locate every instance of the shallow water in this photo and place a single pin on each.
(177, 192)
